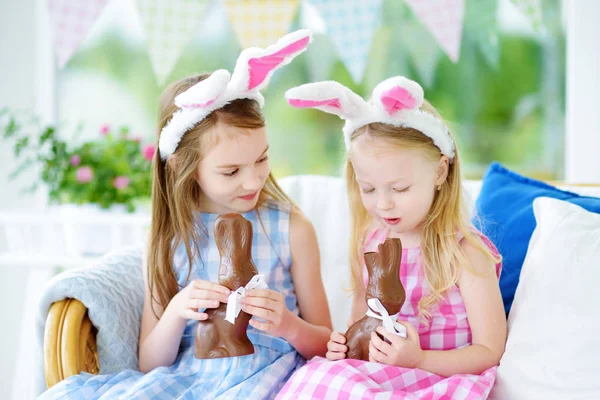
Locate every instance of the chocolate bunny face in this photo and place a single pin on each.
(233, 236)
(384, 275)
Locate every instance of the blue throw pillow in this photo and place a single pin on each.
(505, 216)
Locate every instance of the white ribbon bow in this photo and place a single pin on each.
(378, 311)
(234, 304)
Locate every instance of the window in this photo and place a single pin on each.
(511, 111)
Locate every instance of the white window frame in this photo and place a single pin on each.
(27, 381)
(582, 135)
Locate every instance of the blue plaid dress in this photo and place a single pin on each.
(257, 376)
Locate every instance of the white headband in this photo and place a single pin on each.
(253, 70)
(395, 101)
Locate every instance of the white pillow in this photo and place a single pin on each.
(553, 346)
(324, 202)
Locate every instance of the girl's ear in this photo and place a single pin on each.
(442, 170)
(197, 173)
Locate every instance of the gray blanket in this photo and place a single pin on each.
(113, 292)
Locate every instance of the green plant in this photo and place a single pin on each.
(113, 169)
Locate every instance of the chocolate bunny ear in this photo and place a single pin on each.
(255, 66)
(390, 253)
(245, 231)
(233, 232)
(372, 260)
(388, 256)
(223, 232)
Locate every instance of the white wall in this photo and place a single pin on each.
(17, 77)
(19, 89)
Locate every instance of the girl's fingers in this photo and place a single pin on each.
(338, 337)
(200, 303)
(204, 294)
(375, 354)
(263, 293)
(336, 347)
(261, 326)
(395, 340)
(259, 312)
(259, 302)
(211, 286)
(380, 345)
(191, 314)
(411, 331)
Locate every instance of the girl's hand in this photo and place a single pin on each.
(198, 294)
(401, 352)
(336, 347)
(270, 306)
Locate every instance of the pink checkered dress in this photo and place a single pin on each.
(448, 329)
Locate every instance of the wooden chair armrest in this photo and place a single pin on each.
(69, 342)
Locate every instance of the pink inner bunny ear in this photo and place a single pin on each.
(260, 67)
(397, 98)
(197, 105)
(301, 103)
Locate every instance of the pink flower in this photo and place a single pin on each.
(121, 182)
(104, 129)
(84, 174)
(148, 152)
(75, 160)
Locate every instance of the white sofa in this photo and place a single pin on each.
(324, 201)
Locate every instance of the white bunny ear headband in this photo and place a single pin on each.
(253, 70)
(395, 101)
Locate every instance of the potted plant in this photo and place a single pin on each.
(113, 170)
(92, 185)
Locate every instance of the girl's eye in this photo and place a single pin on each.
(232, 173)
(262, 160)
(367, 191)
(401, 190)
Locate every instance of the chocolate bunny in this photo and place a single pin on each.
(384, 284)
(216, 337)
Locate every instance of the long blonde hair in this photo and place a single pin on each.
(442, 255)
(176, 193)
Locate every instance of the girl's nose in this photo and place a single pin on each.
(384, 203)
(253, 181)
